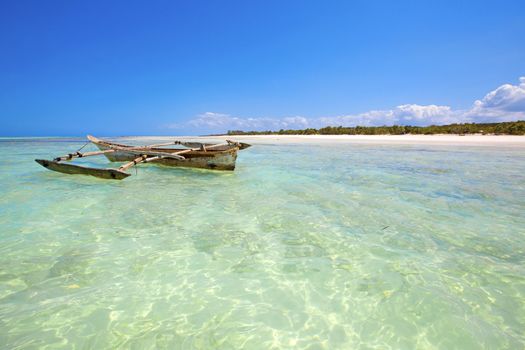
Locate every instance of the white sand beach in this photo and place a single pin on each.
(467, 140)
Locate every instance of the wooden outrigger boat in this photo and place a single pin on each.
(196, 155)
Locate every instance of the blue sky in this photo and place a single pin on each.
(193, 67)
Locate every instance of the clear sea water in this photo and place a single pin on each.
(347, 246)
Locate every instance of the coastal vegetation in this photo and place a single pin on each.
(503, 128)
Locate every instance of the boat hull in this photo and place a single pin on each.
(215, 160)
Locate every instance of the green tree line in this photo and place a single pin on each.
(503, 128)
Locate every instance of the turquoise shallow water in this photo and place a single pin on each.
(303, 246)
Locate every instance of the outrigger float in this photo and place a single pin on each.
(196, 155)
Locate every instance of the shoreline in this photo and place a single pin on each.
(437, 139)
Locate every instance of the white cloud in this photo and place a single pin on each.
(409, 114)
(222, 122)
(507, 97)
(506, 103)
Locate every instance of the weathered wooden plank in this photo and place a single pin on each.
(191, 144)
(140, 151)
(135, 161)
(82, 155)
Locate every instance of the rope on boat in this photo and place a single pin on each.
(80, 149)
(135, 165)
(77, 153)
